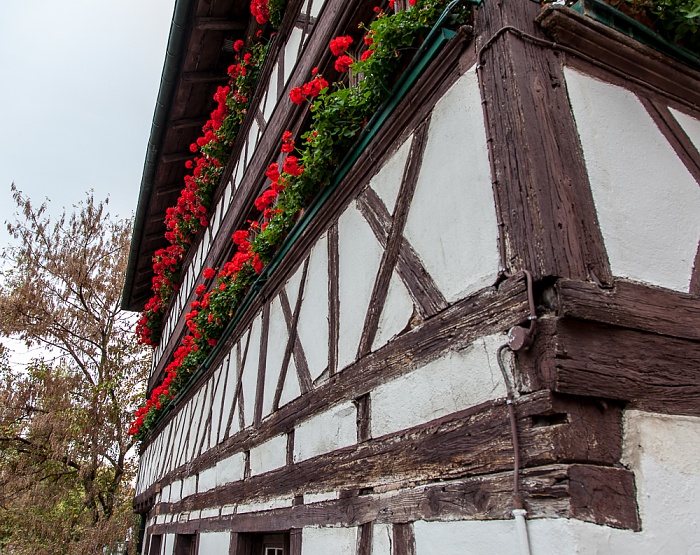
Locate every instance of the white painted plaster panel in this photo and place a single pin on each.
(168, 544)
(359, 257)
(381, 539)
(276, 345)
(189, 486)
(387, 182)
(250, 371)
(689, 124)
(219, 378)
(325, 432)
(207, 479)
(396, 314)
(291, 49)
(230, 469)
(452, 220)
(338, 541)
(228, 510)
(230, 391)
(196, 406)
(291, 388)
(310, 498)
(292, 286)
(269, 455)
(176, 491)
(316, 7)
(456, 381)
(210, 513)
(252, 140)
(214, 543)
(201, 445)
(228, 191)
(195, 515)
(312, 327)
(165, 494)
(647, 201)
(266, 505)
(271, 100)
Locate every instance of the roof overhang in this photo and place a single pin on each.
(195, 65)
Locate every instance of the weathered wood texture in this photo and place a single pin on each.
(598, 494)
(552, 429)
(545, 204)
(631, 305)
(488, 311)
(602, 46)
(649, 371)
(404, 539)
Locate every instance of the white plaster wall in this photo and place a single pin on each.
(266, 505)
(316, 7)
(207, 479)
(338, 541)
(312, 327)
(214, 543)
(387, 181)
(396, 313)
(218, 402)
(647, 201)
(269, 455)
(276, 345)
(359, 257)
(689, 124)
(452, 220)
(230, 469)
(291, 50)
(231, 382)
(209, 513)
(381, 539)
(456, 381)
(291, 389)
(310, 498)
(250, 371)
(325, 432)
(176, 491)
(168, 544)
(189, 486)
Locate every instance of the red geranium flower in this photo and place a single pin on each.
(343, 63)
(339, 45)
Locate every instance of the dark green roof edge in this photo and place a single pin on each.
(168, 82)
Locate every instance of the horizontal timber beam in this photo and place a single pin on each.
(219, 24)
(602, 495)
(649, 371)
(631, 305)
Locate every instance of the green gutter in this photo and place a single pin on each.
(436, 39)
(177, 42)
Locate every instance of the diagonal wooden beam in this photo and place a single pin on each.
(291, 340)
(300, 361)
(421, 286)
(393, 240)
(333, 299)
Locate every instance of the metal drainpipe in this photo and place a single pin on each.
(518, 338)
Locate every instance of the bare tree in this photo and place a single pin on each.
(63, 421)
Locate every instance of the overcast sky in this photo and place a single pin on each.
(78, 85)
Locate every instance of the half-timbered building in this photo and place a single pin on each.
(484, 338)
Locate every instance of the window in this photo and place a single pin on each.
(186, 544)
(263, 544)
(156, 541)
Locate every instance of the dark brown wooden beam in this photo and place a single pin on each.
(550, 225)
(204, 77)
(552, 429)
(649, 371)
(219, 24)
(186, 123)
(598, 494)
(173, 157)
(631, 305)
